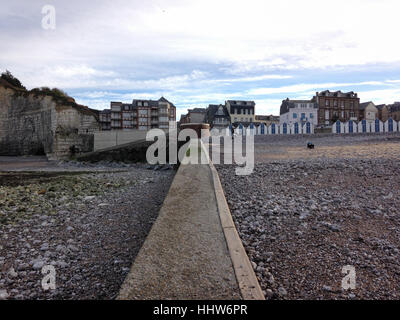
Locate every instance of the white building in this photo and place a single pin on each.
(300, 111)
(368, 111)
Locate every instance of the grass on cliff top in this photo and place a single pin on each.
(7, 80)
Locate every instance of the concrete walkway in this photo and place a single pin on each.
(185, 256)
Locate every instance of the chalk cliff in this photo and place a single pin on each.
(35, 122)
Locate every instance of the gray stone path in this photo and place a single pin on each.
(185, 255)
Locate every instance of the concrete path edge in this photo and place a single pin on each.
(248, 284)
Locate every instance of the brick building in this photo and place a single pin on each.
(333, 106)
(383, 112)
(140, 114)
(394, 111)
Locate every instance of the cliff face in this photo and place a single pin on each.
(37, 124)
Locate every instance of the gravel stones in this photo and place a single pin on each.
(77, 235)
(305, 214)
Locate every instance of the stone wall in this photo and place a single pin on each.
(112, 138)
(33, 125)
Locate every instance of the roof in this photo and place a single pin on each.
(212, 110)
(267, 118)
(197, 110)
(288, 104)
(150, 103)
(338, 93)
(381, 106)
(394, 107)
(365, 104)
(162, 99)
(242, 103)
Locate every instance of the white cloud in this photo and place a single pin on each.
(201, 52)
(301, 88)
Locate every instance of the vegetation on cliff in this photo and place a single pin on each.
(8, 77)
(7, 80)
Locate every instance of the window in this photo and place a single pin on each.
(303, 115)
(294, 115)
(311, 116)
(327, 103)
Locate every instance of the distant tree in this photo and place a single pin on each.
(7, 76)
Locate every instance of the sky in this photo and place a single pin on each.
(196, 53)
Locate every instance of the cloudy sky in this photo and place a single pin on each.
(200, 52)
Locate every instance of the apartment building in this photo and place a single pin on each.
(241, 111)
(333, 106)
(141, 115)
(300, 111)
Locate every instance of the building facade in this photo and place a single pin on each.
(368, 111)
(217, 116)
(394, 111)
(241, 111)
(383, 112)
(333, 106)
(300, 111)
(196, 115)
(140, 114)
